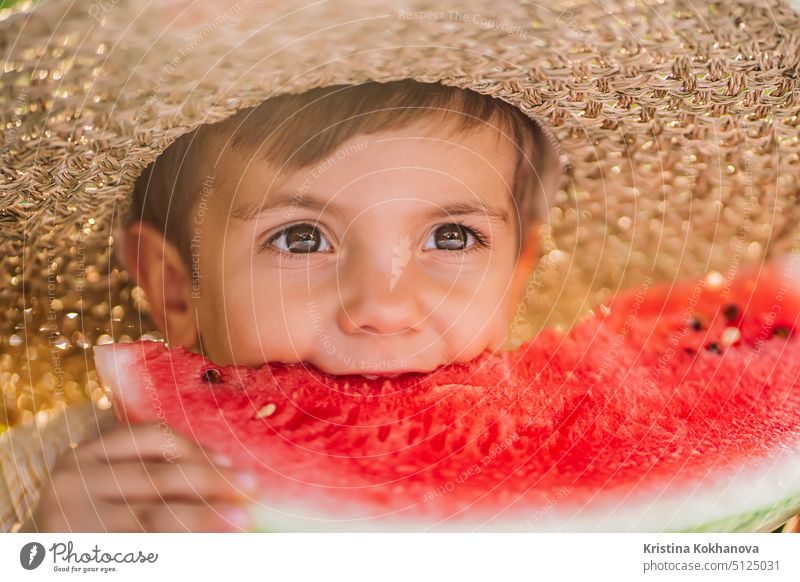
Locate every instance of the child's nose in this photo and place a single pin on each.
(377, 300)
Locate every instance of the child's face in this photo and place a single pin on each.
(359, 265)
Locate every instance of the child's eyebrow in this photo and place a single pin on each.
(250, 210)
(462, 208)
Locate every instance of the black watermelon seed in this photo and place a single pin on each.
(696, 324)
(213, 376)
(714, 347)
(690, 350)
(781, 331)
(731, 311)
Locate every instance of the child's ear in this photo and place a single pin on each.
(526, 262)
(158, 269)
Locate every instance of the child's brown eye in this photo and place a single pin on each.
(300, 238)
(452, 237)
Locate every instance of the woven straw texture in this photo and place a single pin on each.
(677, 123)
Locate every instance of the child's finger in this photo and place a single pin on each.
(146, 442)
(792, 526)
(159, 517)
(191, 517)
(138, 482)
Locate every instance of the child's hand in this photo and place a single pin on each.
(792, 526)
(138, 478)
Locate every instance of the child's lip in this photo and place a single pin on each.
(370, 375)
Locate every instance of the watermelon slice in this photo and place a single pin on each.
(674, 408)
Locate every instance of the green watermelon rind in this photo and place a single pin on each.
(763, 520)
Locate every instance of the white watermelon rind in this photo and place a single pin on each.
(109, 362)
(763, 494)
(763, 520)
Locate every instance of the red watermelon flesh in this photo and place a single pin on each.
(676, 407)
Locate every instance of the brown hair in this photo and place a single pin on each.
(293, 131)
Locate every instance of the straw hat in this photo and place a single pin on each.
(676, 122)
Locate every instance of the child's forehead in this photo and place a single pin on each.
(394, 164)
(346, 205)
(396, 172)
(425, 143)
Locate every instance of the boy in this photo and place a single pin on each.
(373, 229)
